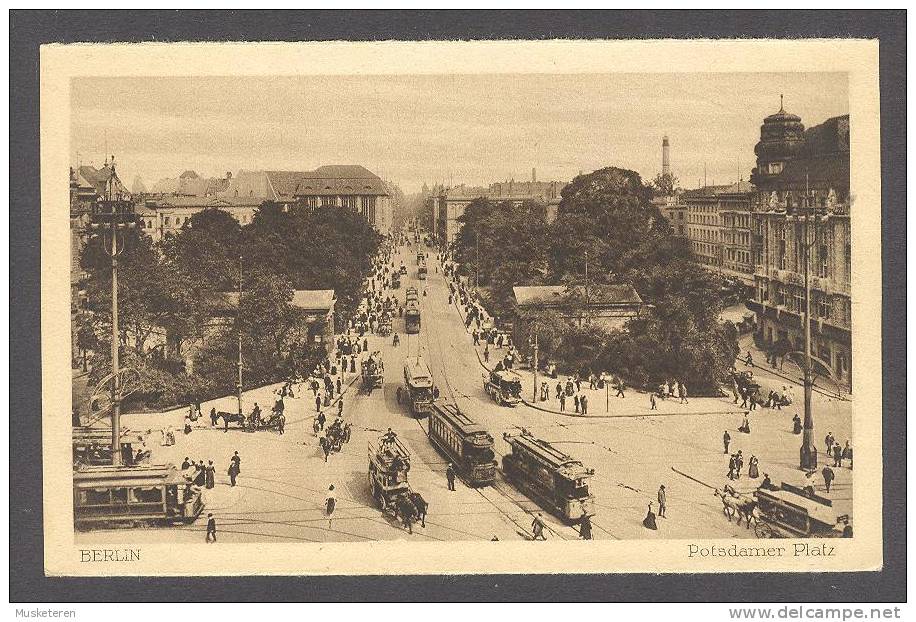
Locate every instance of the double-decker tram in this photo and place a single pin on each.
(467, 444)
(111, 495)
(547, 475)
(92, 446)
(421, 269)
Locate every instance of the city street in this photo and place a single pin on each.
(284, 479)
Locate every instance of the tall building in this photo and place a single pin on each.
(348, 186)
(794, 167)
(718, 227)
(448, 204)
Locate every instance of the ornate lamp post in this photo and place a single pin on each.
(111, 214)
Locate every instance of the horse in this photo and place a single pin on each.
(738, 505)
(406, 511)
(421, 505)
(231, 418)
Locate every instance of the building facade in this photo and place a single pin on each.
(161, 216)
(798, 168)
(448, 204)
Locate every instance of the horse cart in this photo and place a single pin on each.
(253, 422)
(389, 463)
(373, 372)
(790, 512)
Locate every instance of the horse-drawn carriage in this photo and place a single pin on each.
(254, 422)
(790, 512)
(373, 372)
(389, 463)
(337, 434)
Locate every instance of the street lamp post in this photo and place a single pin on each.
(808, 450)
(111, 213)
(238, 321)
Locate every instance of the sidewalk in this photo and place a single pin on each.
(603, 403)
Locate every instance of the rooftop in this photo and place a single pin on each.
(315, 300)
(559, 294)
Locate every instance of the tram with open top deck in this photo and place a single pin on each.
(790, 512)
(504, 387)
(412, 311)
(92, 446)
(547, 475)
(389, 463)
(136, 495)
(466, 443)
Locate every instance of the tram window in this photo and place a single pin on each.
(145, 495)
(97, 496)
(119, 495)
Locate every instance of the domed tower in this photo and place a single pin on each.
(781, 140)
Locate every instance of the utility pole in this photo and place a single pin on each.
(808, 451)
(238, 321)
(535, 366)
(110, 214)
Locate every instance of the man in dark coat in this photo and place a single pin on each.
(829, 476)
(211, 529)
(450, 476)
(726, 439)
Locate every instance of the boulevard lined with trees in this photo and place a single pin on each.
(177, 299)
(607, 231)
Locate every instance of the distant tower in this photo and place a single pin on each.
(666, 163)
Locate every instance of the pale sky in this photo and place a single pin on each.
(474, 129)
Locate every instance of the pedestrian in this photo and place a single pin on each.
(837, 455)
(233, 473)
(339, 386)
(649, 521)
(752, 471)
(330, 503)
(576, 401)
(748, 360)
(537, 528)
(732, 463)
(210, 475)
(653, 403)
(726, 439)
(620, 386)
(186, 464)
(662, 501)
(476, 337)
(213, 417)
(317, 403)
(559, 390)
(682, 390)
(562, 402)
(847, 453)
(585, 527)
(340, 407)
(828, 441)
(828, 475)
(281, 423)
(211, 529)
(739, 464)
(796, 424)
(583, 402)
(450, 476)
(486, 353)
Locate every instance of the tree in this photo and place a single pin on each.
(665, 184)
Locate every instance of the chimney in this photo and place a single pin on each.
(534, 175)
(666, 164)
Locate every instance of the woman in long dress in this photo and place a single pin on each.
(752, 471)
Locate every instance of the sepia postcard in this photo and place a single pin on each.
(461, 307)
